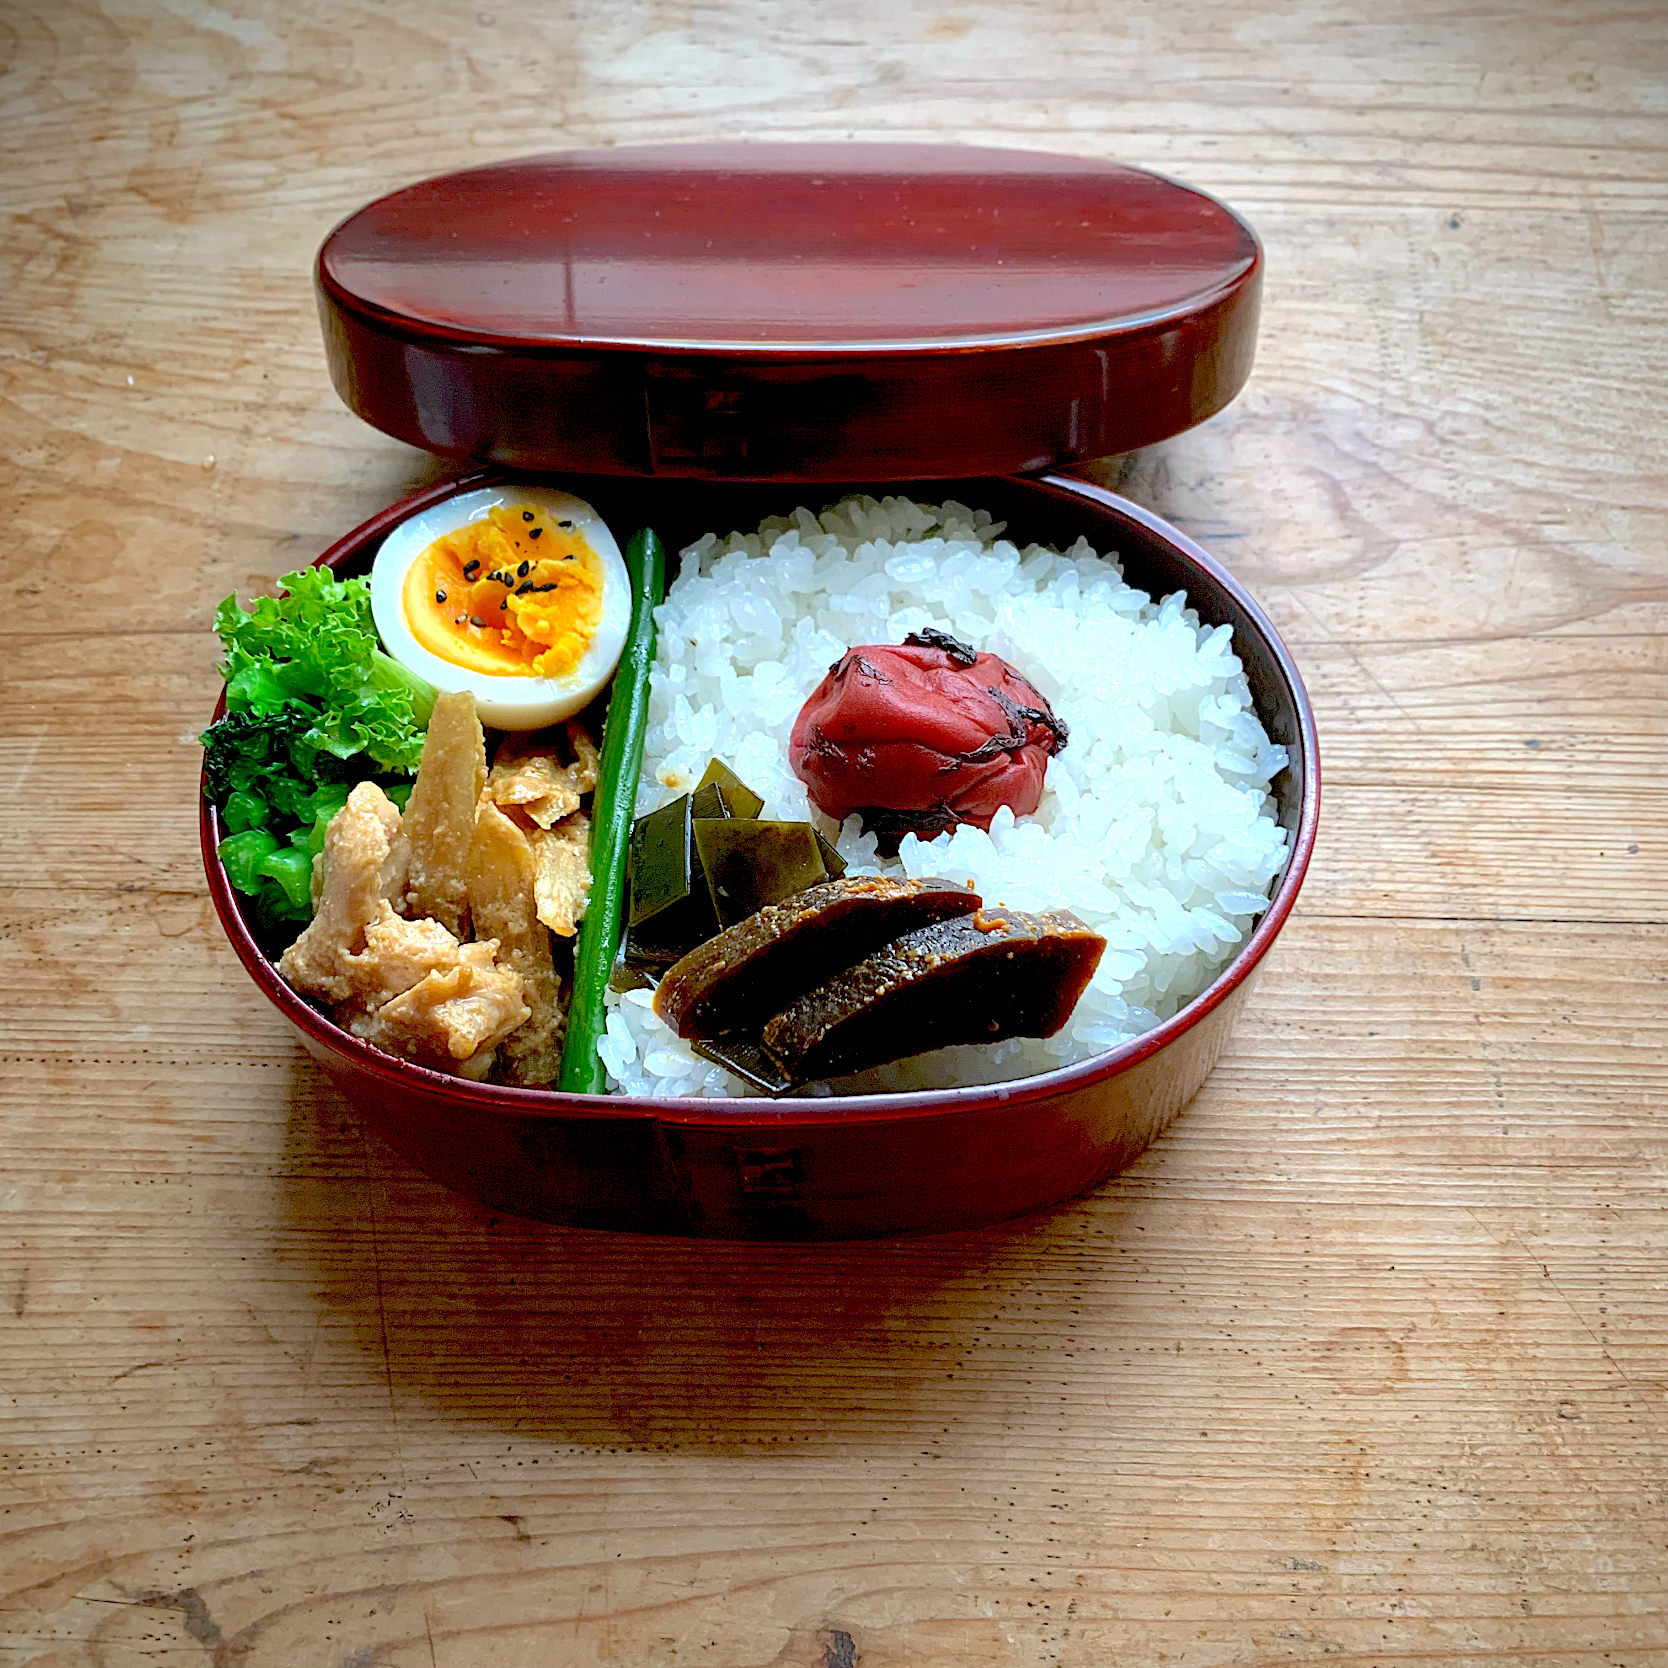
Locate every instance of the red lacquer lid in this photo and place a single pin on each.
(790, 312)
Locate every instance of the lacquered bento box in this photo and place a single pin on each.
(458, 342)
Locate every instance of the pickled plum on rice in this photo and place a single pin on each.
(918, 737)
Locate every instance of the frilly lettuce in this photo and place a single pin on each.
(312, 706)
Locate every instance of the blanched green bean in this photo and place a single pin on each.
(611, 818)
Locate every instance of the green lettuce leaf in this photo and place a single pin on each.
(313, 705)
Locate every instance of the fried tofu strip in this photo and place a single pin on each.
(501, 903)
(440, 815)
(529, 775)
(562, 873)
(361, 867)
(452, 1019)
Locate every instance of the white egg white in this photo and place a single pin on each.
(505, 703)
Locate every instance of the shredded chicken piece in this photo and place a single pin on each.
(451, 1017)
(440, 815)
(562, 873)
(501, 903)
(529, 775)
(396, 897)
(397, 954)
(361, 867)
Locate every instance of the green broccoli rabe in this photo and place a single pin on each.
(280, 878)
(312, 706)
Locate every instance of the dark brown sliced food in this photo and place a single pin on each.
(755, 968)
(975, 979)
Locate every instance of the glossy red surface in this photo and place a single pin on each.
(849, 1166)
(790, 312)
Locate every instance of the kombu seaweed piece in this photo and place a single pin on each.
(756, 968)
(972, 979)
(709, 801)
(740, 798)
(831, 859)
(671, 906)
(743, 1054)
(658, 858)
(629, 975)
(749, 863)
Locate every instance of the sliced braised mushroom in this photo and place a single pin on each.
(755, 968)
(974, 979)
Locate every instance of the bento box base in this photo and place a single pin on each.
(846, 1167)
(700, 1174)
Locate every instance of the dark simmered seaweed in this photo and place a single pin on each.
(749, 863)
(671, 908)
(739, 799)
(742, 1055)
(707, 861)
(710, 800)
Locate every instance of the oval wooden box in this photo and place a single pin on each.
(844, 1166)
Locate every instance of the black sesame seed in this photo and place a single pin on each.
(526, 515)
(503, 605)
(521, 572)
(470, 569)
(476, 621)
(535, 533)
(564, 523)
(439, 596)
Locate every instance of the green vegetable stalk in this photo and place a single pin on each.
(611, 814)
(313, 705)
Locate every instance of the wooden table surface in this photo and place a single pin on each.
(1365, 1362)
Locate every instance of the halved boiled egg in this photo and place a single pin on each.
(517, 594)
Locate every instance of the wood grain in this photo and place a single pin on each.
(1366, 1362)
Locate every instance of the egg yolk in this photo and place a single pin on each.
(517, 595)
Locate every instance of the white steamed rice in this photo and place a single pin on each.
(1156, 826)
